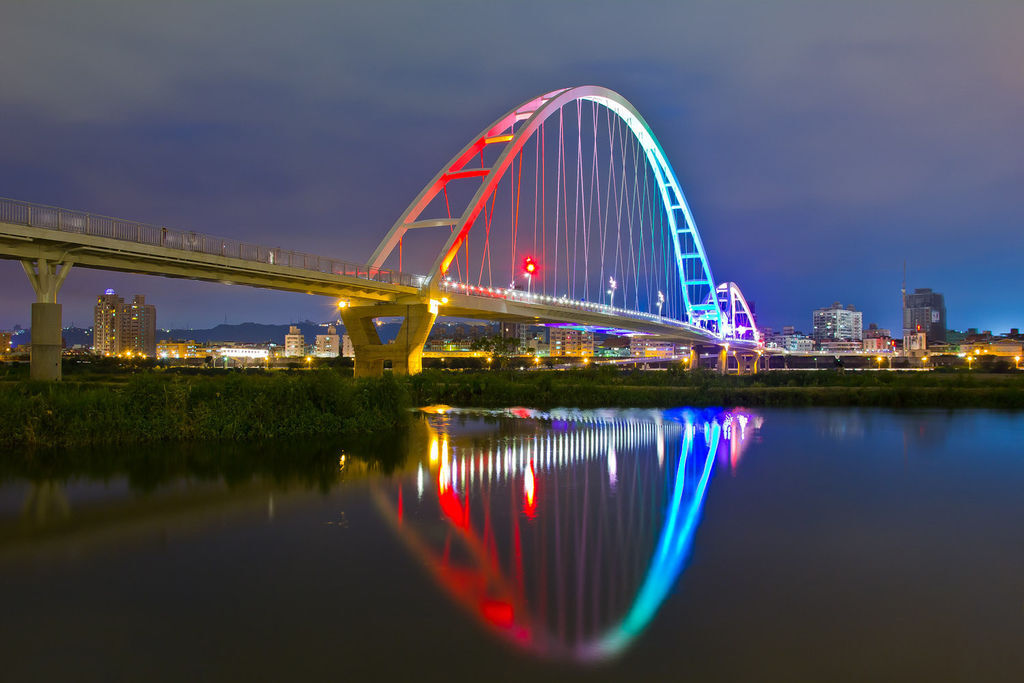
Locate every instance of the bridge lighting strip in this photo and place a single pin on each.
(528, 297)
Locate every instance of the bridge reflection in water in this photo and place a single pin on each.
(563, 532)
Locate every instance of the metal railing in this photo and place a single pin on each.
(565, 302)
(82, 223)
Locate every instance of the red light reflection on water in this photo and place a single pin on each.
(503, 578)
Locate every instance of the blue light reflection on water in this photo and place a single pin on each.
(504, 594)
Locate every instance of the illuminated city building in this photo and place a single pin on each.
(998, 347)
(168, 349)
(5, 342)
(878, 344)
(137, 327)
(347, 350)
(327, 345)
(915, 344)
(791, 342)
(294, 343)
(243, 352)
(565, 341)
(122, 328)
(837, 324)
(842, 346)
(104, 324)
(925, 311)
(642, 347)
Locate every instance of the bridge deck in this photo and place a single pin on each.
(35, 231)
(32, 231)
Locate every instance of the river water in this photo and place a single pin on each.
(518, 544)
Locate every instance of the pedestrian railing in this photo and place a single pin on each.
(82, 223)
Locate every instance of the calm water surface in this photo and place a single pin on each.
(572, 545)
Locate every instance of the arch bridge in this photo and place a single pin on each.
(564, 211)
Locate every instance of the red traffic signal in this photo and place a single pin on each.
(529, 266)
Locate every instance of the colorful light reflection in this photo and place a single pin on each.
(515, 572)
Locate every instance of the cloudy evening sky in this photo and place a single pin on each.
(819, 143)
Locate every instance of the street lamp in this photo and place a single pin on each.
(661, 300)
(1016, 362)
(879, 359)
(612, 286)
(309, 362)
(970, 358)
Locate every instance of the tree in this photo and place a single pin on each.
(500, 348)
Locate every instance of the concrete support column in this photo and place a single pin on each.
(723, 360)
(47, 344)
(405, 352)
(694, 362)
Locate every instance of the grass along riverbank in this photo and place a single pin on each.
(158, 406)
(609, 387)
(154, 407)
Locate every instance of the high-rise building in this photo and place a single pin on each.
(564, 341)
(137, 327)
(104, 324)
(294, 343)
(837, 324)
(120, 327)
(925, 311)
(347, 350)
(327, 345)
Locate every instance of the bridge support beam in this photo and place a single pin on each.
(719, 353)
(746, 363)
(405, 352)
(47, 344)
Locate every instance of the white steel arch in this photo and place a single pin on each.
(698, 287)
(738, 321)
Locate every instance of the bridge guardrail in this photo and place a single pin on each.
(80, 222)
(520, 296)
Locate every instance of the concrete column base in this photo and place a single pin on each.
(405, 352)
(47, 344)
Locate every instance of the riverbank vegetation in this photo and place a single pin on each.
(165, 406)
(146, 405)
(612, 387)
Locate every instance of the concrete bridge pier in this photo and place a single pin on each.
(405, 352)
(747, 363)
(47, 344)
(720, 353)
